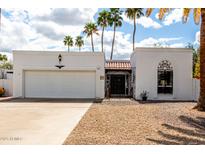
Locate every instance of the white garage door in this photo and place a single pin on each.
(59, 84)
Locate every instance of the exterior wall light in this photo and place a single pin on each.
(59, 60)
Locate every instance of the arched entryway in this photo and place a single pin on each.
(165, 78)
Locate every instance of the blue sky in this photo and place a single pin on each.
(44, 29)
(176, 29)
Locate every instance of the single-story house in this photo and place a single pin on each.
(165, 73)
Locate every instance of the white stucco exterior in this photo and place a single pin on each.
(145, 62)
(83, 74)
(35, 74)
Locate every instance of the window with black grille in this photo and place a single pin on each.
(165, 77)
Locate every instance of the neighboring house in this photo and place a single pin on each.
(166, 73)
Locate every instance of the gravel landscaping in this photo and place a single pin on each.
(130, 122)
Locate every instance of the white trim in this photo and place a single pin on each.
(63, 53)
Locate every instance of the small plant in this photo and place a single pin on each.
(2, 91)
(144, 95)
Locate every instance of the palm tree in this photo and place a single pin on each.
(68, 41)
(197, 13)
(79, 42)
(115, 19)
(102, 21)
(133, 14)
(90, 29)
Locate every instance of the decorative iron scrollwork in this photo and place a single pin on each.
(165, 65)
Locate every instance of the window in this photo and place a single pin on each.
(165, 77)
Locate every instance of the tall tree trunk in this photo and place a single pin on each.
(68, 49)
(133, 39)
(113, 42)
(92, 42)
(79, 49)
(102, 38)
(201, 101)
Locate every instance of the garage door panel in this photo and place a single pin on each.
(60, 84)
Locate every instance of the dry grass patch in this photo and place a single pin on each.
(134, 123)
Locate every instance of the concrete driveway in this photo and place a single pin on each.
(39, 121)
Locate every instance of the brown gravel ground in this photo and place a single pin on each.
(129, 122)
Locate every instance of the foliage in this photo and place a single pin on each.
(133, 14)
(103, 21)
(115, 20)
(197, 68)
(195, 59)
(90, 29)
(3, 57)
(79, 42)
(6, 65)
(115, 17)
(189, 46)
(68, 41)
(161, 44)
(186, 11)
(196, 14)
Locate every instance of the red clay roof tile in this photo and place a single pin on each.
(118, 65)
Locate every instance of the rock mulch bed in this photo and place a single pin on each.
(128, 122)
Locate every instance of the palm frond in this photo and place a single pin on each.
(149, 11)
(132, 13)
(162, 12)
(197, 15)
(79, 41)
(68, 40)
(129, 13)
(115, 16)
(102, 19)
(90, 28)
(185, 16)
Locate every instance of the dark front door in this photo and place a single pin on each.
(117, 84)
